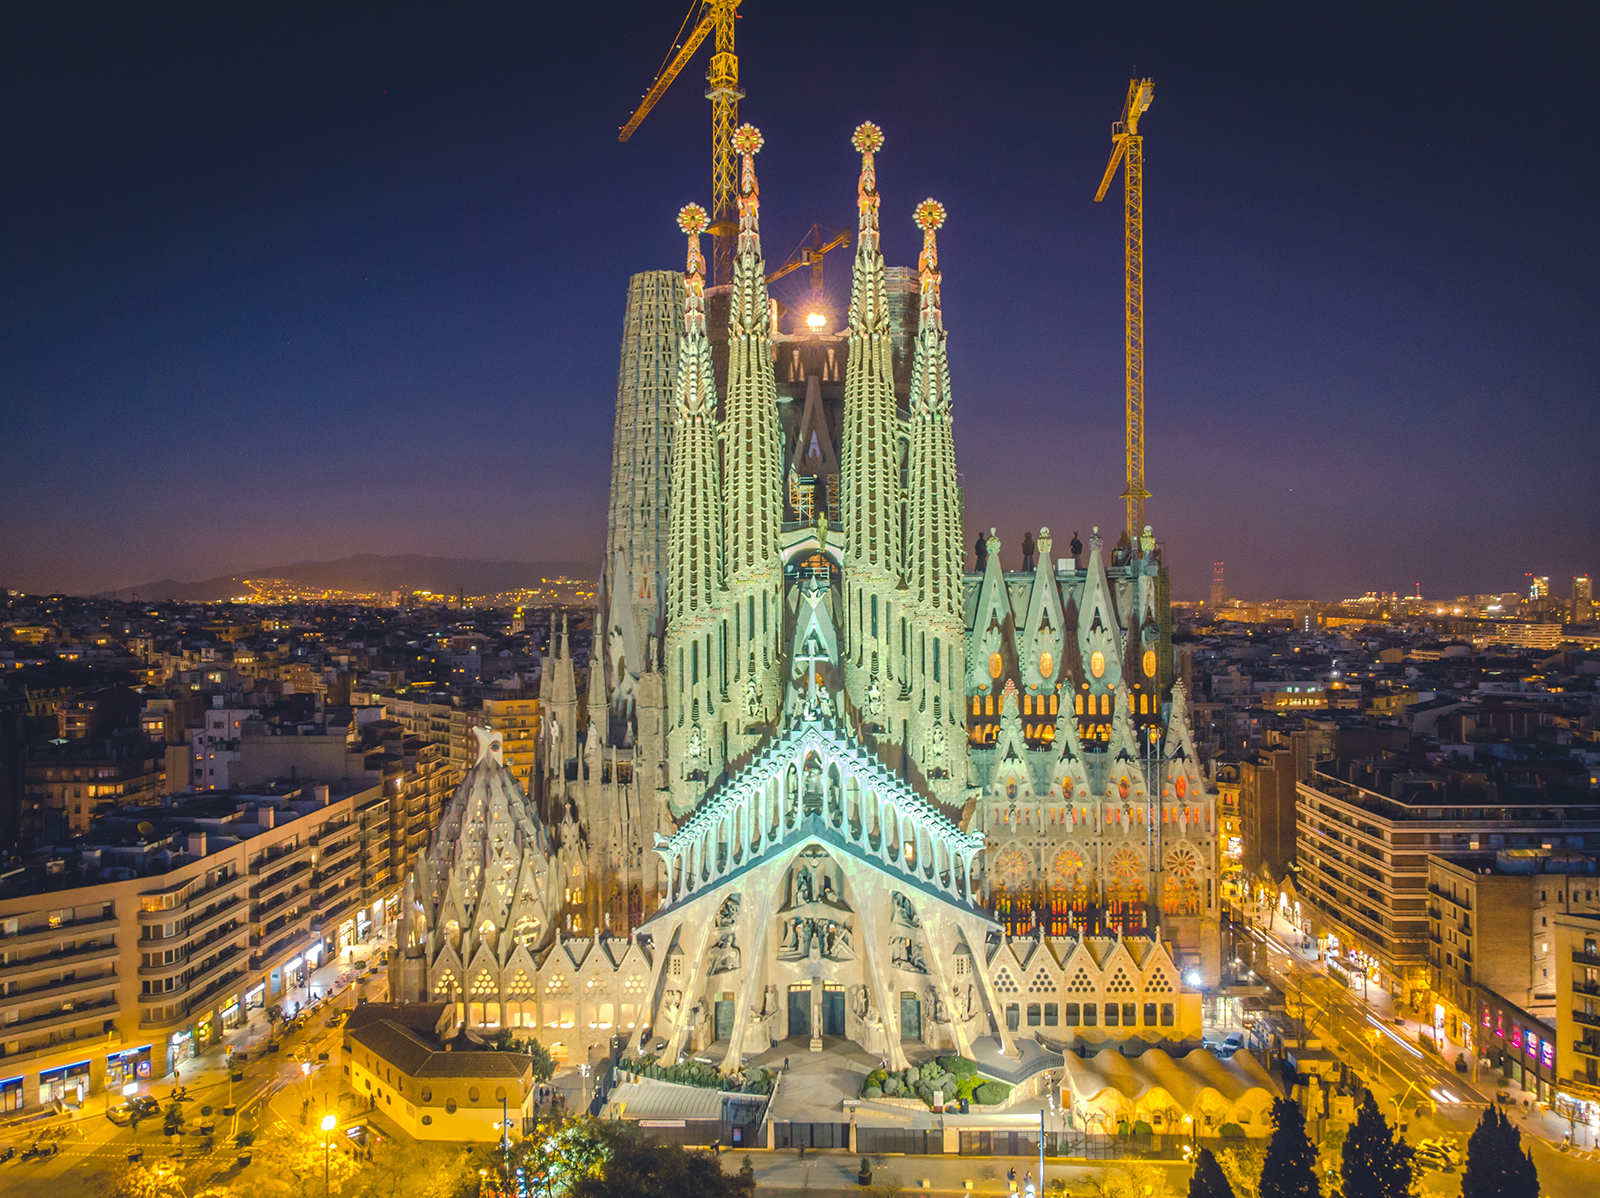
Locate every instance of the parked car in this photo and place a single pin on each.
(1233, 1040)
(142, 1107)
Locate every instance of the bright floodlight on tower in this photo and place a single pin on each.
(816, 320)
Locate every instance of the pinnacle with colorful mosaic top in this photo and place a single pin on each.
(753, 496)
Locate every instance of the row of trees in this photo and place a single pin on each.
(1374, 1162)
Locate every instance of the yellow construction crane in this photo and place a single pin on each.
(724, 94)
(1126, 144)
(811, 255)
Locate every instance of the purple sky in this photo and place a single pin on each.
(284, 282)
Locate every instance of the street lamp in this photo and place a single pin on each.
(329, 1122)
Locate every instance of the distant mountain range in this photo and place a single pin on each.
(365, 572)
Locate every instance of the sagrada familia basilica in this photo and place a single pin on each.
(820, 780)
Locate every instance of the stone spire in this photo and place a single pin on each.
(695, 593)
(752, 449)
(870, 492)
(933, 527)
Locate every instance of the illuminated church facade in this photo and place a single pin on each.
(821, 781)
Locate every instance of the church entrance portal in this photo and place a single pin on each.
(724, 1017)
(799, 1011)
(833, 1010)
(910, 1017)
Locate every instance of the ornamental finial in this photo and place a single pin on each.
(929, 215)
(692, 219)
(747, 140)
(868, 140)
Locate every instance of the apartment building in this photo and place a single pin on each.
(1490, 930)
(68, 783)
(1576, 939)
(122, 958)
(1366, 829)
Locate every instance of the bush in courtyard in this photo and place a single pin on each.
(1231, 1131)
(891, 1086)
(959, 1066)
(872, 1092)
(991, 1093)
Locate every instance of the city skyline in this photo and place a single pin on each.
(277, 298)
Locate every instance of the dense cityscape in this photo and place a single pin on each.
(826, 823)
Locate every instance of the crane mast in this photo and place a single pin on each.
(1127, 148)
(714, 18)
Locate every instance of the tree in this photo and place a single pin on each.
(544, 1065)
(141, 1181)
(293, 1161)
(636, 1165)
(1208, 1180)
(405, 1168)
(1131, 1180)
(1290, 1168)
(1375, 1163)
(1242, 1167)
(1497, 1164)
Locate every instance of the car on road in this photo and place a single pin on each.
(337, 1018)
(142, 1107)
(1233, 1040)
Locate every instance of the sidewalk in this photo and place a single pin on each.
(821, 1172)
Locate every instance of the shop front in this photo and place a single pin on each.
(1522, 1047)
(180, 1049)
(232, 1015)
(255, 999)
(204, 1033)
(10, 1094)
(69, 1083)
(128, 1067)
(346, 935)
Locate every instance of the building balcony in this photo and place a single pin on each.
(1586, 1019)
(323, 879)
(268, 864)
(95, 1011)
(278, 885)
(54, 962)
(1579, 957)
(63, 931)
(235, 908)
(341, 852)
(229, 961)
(1586, 1048)
(64, 989)
(194, 899)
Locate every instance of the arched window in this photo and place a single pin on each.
(472, 1094)
(449, 1106)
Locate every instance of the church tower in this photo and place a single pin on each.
(641, 461)
(752, 499)
(870, 502)
(696, 661)
(933, 541)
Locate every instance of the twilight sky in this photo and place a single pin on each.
(295, 281)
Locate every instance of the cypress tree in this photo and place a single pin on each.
(1209, 1181)
(1497, 1164)
(1290, 1170)
(1375, 1164)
